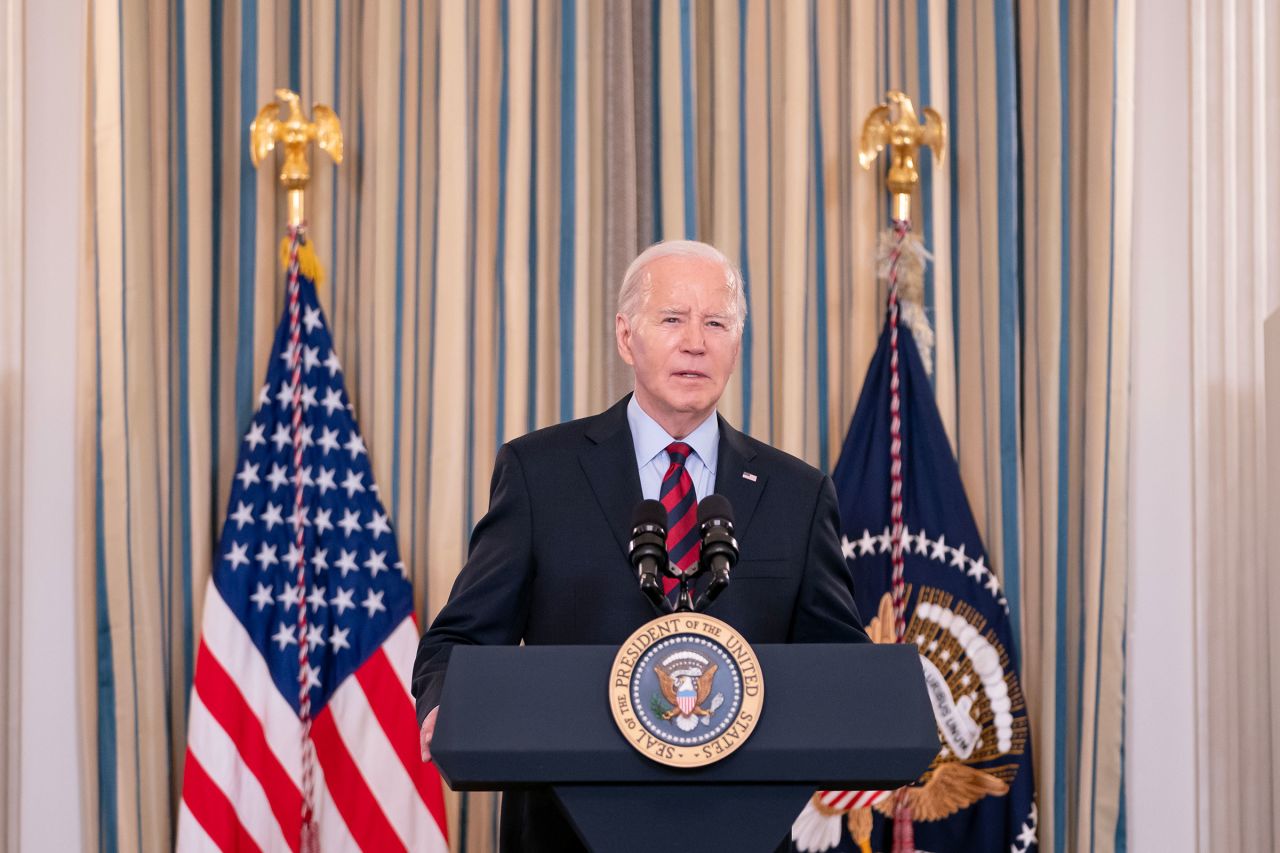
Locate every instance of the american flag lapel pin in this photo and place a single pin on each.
(747, 475)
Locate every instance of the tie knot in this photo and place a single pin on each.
(679, 452)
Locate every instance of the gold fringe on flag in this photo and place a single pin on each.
(308, 263)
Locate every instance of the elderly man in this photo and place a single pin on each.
(548, 562)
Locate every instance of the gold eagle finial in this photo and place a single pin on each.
(903, 133)
(294, 132)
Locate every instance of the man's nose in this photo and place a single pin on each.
(694, 338)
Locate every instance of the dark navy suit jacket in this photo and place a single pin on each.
(548, 564)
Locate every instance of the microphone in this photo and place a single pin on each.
(719, 548)
(648, 550)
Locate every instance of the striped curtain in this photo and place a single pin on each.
(505, 161)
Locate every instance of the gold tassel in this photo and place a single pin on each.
(308, 263)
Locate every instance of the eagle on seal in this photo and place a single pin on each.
(686, 693)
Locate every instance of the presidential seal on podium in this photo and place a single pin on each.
(686, 690)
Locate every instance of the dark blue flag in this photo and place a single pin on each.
(978, 794)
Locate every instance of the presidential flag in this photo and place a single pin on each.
(300, 710)
(978, 794)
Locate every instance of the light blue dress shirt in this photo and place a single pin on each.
(651, 442)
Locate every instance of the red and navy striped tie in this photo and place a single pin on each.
(677, 495)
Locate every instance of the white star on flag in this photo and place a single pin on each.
(373, 602)
(352, 483)
(377, 562)
(311, 319)
(316, 598)
(866, 543)
(271, 516)
(238, 555)
(350, 521)
(355, 444)
(281, 437)
(243, 515)
(284, 636)
(346, 562)
(256, 435)
(310, 675)
(277, 477)
(323, 524)
(290, 596)
(262, 597)
(248, 475)
(332, 402)
(378, 524)
(342, 600)
(299, 515)
(329, 441)
(266, 556)
(315, 636)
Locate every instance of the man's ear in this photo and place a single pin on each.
(622, 331)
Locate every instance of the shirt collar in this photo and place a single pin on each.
(650, 438)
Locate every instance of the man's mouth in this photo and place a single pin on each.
(689, 374)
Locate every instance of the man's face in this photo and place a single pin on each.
(683, 342)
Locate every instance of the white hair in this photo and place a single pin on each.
(637, 283)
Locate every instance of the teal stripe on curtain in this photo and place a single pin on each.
(472, 134)
(925, 216)
(500, 248)
(689, 123)
(819, 235)
(245, 378)
(397, 382)
(182, 273)
(567, 193)
(106, 754)
(743, 194)
(1010, 302)
(1061, 708)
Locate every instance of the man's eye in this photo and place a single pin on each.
(671, 319)
(716, 323)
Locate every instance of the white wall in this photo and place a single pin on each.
(1160, 736)
(49, 760)
(1203, 739)
(10, 410)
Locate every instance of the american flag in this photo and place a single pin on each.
(246, 768)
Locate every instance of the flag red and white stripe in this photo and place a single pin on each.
(241, 784)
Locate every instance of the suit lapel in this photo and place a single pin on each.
(737, 479)
(609, 463)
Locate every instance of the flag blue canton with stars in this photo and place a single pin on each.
(357, 589)
(979, 793)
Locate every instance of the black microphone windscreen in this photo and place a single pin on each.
(715, 506)
(650, 512)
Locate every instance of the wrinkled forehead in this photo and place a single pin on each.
(691, 282)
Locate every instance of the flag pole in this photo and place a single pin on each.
(894, 124)
(295, 133)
